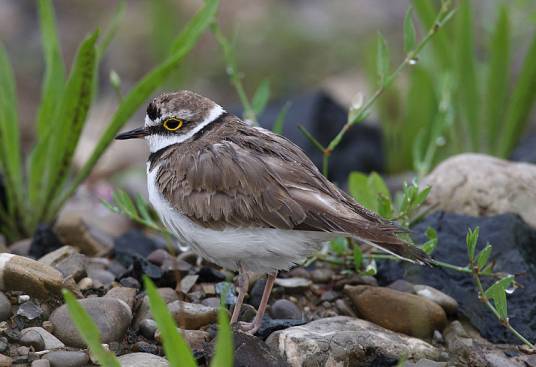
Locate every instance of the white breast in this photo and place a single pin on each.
(260, 250)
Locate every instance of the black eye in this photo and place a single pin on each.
(172, 124)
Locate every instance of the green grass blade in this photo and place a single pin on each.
(142, 91)
(497, 77)
(53, 82)
(223, 355)
(89, 331)
(521, 102)
(382, 58)
(10, 161)
(280, 120)
(177, 350)
(410, 35)
(467, 83)
(74, 108)
(261, 97)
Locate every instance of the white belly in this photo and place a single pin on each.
(260, 250)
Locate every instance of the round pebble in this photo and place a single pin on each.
(322, 275)
(148, 328)
(103, 276)
(284, 309)
(111, 315)
(142, 360)
(5, 307)
(32, 338)
(67, 358)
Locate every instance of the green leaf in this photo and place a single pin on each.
(471, 240)
(385, 207)
(422, 195)
(377, 185)
(409, 31)
(497, 292)
(483, 256)
(521, 103)
(358, 258)
(497, 84)
(223, 355)
(54, 79)
(360, 190)
(143, 89)
(382, 59)
(280, 120)
(177, 350)
(89, 331)
(430, 245)
(261, 97)
(339, 245)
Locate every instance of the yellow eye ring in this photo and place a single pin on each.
(173, 124)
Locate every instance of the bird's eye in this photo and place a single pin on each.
(173, 124)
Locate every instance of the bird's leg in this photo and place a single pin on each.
(243, 285)
(257, 321)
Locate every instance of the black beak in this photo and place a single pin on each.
(138, 133)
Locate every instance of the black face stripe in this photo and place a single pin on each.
(153, 112)
(210, 126)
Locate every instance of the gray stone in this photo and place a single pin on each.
(5, 361)
(49, 340)
(284, 309)
(293, 283)
(105, 277)
(29, 310)
(168, 294)
(67, 358)
(5, 307)
(148, 328)
(32, 338)
(195, 338)
(21, 248)
(193, 315)
(322, 275)
(188, 282)
(402, 286)
(111, 315)
(4, 344)
(426, 363)
(53, 257)
(449, 304)
(498, 359)
(127, 295)
(343, 341)
(142, 360)
(41, 363)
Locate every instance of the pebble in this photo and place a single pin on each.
(330, 296)
(23, 350)
(247, 313)
(144, 312)
(127, 295)
(5, 361)
(74, 231)
(41, 363)
(402, 286)
(29, 310)
(192, 315)
(85, 283)
(4, 344)
(297, 284)
(255, 294)
(130, 282)
(449, 304)
(158, 256)
(49, 340)
(5, 307)
(398, 311)
(284, 309)
(145, 347)
(211, 302)
(188, 282)
(142, 360)
(195, 338)
(67, 260)
(322, 275)
(67, 358)
(21, 248)
(344, 309)
(147, 328)
(111, 315)
(105, 277)
(32, 338)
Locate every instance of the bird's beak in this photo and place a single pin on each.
(138, 133)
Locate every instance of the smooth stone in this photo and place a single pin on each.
(342, 341)
(21, 247)
(481, 185)
(449, 304)
(158, 256)
(147, 328)
(49, 340)
(144, 312)
(144, 347)
(85, 283)
(5, 307)
(41, 363)
(74, 231)
(284, 309)
(67, 358)
(111, 315)
(293, 283)
(142, 360)
(247, 313)
(402, 286)
(322, 275)
(103, 276)
(344, 308)
(32, 338)
(192, 315)
(188, 282)
(255, 294)
(211, 302)
(130, 282)
(5, 361)
(398, 311)
(29, 310)
(127, 295)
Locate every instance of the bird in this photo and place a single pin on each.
(245, 198)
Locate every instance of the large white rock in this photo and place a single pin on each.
(345, 341)
(480, 185)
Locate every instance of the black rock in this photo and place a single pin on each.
(210, 275)
(360, 150)
(44, 240)
(140, 266)
(514, 251)
(525, 151)
(269, 325)
(135, 242)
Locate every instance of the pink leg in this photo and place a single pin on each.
(243, 285)
(256, 324)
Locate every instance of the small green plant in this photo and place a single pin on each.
(176, 348)
(38, 188)
(455, 100)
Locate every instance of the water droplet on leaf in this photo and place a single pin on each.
(413, 60)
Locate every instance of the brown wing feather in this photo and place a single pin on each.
(241, 176)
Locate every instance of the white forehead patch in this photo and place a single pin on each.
(157, 141)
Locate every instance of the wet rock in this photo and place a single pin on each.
(20, 273)
(111, 315)
(513, 252)
(5, 361)
(402, 286)
(448, 303)
(67, 358)
(5, 307)
(142, 360)
(284, 309)
(401, 312)
(41, 363)
(293, 284)
(148, 328)
(68, 261)
(49, 340)
(125, 294)
(74, 231)
(346, 341)
(192, 315)
(480, 185)
(44, 240)
(29, 310)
